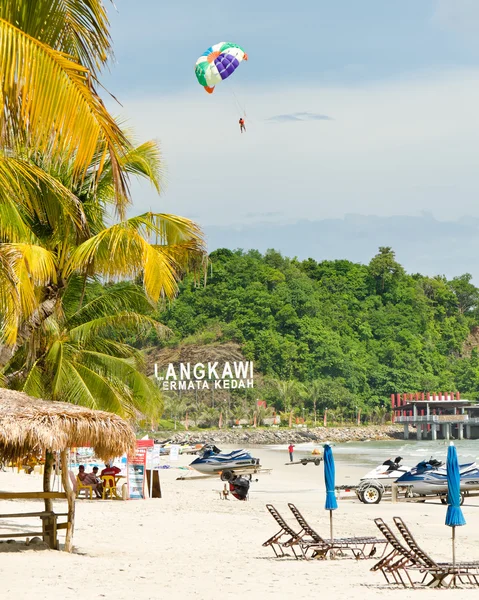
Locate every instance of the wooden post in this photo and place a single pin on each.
(47, 479)
(394, 492)
(71, 501)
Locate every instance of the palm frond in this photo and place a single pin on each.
(50, 103)
(78, 27)
(34, 383)
(101, 392)
(9, 296)
(124, 250)
(143, 161)
(118, 349)
(121, 322)
(29, 192)
(29, 266)
(129, 298)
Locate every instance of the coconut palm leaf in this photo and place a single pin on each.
(123, 250)
(123, 321)
(113, 300)
(29, 193)
(50, 104)
(27, 266)
(76, 27)
(143, 161)
(9, 297)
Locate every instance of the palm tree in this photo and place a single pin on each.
(64, 165)
(287, 392)
(81, 355)
(314, 391)
(55, 242)
(209, 416)
(51, 52)
(51, 240)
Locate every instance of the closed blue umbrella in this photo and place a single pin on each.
(329, 477)
(454, 516)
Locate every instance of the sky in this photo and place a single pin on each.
(352, 108)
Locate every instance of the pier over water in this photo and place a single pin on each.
(436, 415)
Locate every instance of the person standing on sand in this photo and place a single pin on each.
(290, 450)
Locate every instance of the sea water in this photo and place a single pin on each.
(353, 460)
(372, 453)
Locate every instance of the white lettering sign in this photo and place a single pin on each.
(205, 376)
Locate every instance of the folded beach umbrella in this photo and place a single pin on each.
(329, 477)
(454, 516)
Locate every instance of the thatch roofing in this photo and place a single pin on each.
(28, 424)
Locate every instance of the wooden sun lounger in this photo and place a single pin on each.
(393, 563)
(405, 560)
(466, 572)
(360, 547)
(292, 539)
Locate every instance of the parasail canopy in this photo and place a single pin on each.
(218, 63)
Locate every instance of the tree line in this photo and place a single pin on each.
(333, 335)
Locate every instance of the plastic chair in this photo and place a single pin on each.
(109, 486)
(81, 486)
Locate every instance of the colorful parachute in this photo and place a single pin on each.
(217, 63)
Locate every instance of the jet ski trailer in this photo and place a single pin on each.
(426, 481)
(378, 482)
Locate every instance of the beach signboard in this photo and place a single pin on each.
(136, 470)
(174, 452)
(230, 375)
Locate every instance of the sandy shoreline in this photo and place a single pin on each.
(191, 544)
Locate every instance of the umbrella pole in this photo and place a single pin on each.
(454, 555)
(331, 525)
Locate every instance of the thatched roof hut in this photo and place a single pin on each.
(28, 424)
(32, 425)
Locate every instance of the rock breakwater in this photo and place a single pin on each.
(260, 436)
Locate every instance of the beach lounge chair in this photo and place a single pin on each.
(466, 572)
(360, 547)
(393, 563)
(405, 560)
(291, 539)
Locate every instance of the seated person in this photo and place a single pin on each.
(97, 479)
(89, 479)
(110, 470)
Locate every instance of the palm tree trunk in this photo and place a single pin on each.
(45, 310)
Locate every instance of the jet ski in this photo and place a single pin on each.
(212, 460)
(389, 471)
(372, 486)
(430, 477)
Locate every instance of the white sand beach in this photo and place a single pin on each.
(192, 544)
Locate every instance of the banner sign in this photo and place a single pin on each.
(206, 376)
(136, 470)
(153, 457)
(174, 452)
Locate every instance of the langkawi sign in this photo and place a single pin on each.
(206, 376)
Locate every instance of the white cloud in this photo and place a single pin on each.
(458, 15)
(298, 116)
(394, 147)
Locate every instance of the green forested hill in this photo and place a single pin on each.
(352, 333)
